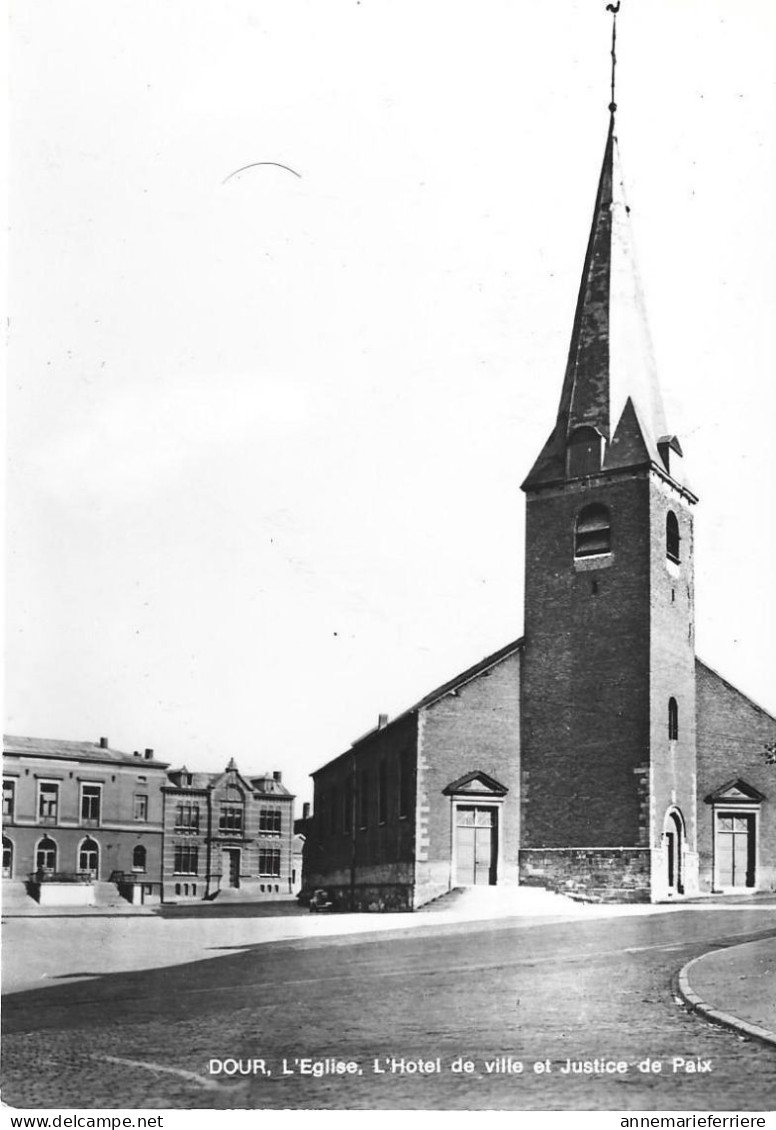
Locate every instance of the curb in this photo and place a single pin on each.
(696, 1004)
(117, 911)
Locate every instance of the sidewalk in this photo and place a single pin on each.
(735, 987)
(122, 910)
(78, 944)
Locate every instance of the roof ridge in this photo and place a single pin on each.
(733, 687)
(461, 679)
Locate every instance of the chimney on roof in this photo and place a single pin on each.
(103, 743)
(382, 721)
(277, 775)
(149, 753)
(306, 810)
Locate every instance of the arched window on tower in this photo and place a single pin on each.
(583, 453)
(593, 533)
(673, 720)
(672, 537)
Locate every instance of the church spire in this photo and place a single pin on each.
(610, 414)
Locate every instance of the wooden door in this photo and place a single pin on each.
(735, 849)
(674, 847)
(230, 868)
(476, 845)
(671, 859)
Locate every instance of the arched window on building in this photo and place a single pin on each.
(593, 533)
(89, 856)
(46, 855)
(672, 537)
(139, 858)
(7, 858)
(673, 720)
(583, 452)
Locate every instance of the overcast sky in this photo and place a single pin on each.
(268, 429)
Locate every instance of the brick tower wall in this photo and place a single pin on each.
(585, 684)
(609, 639)
(672, 675)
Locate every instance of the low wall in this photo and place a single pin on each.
(66, 894)
(591, 874)
(382, 887)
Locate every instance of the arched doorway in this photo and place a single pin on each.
(673, 838)
(7, 858)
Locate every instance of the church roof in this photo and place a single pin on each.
(701, 667)
(449, 687)
(467, 675)
(610, 384)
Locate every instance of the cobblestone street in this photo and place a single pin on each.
(580, 990)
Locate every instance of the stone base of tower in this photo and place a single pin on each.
(592, 874)
(637, 874)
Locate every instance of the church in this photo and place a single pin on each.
(597, 755)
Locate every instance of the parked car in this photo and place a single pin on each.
(319, 900)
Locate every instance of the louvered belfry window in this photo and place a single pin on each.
(593, 533)
(583, 454)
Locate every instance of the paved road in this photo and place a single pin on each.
(552, 993)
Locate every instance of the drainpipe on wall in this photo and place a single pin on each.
(209, 844)
(352, 898)
(288, 809)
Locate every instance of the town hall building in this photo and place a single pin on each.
(86, 824)
(597, 755)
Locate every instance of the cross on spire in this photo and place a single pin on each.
(614, 9)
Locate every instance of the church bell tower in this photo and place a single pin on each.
(608, 689)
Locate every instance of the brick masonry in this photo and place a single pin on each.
(249, 844)
(474, 727)
(609, 640)
(360, 843)
(672, 675)
(117, 832)
(585, 698)
(732, 735)
(407, 858)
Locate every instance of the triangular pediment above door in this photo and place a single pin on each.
(476, 783)
(735, 792)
